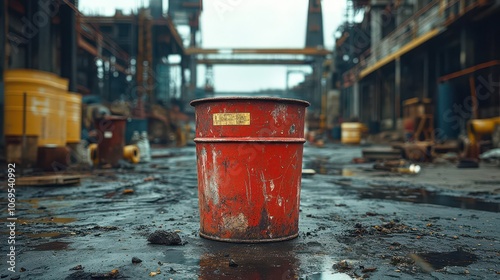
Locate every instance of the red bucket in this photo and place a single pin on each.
(249, 155)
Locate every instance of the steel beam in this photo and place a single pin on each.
(3, 63)
(68, 45)
(44, 37)
(254, 61)
(304, 51)
(3, 38)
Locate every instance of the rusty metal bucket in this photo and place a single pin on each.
(249, 159)
(110, 139)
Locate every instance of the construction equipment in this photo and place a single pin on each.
(476, 130)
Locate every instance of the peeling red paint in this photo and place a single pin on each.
(249, 175)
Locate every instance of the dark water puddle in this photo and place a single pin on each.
(440, 260)
(328, 276)
(52, 246)
(325, 167)
(47, 235)
(425, 196)
(265, 261)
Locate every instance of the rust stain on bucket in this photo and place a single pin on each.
(249, 154)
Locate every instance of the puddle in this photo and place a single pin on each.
(52, 246)
(57, 220)
(324, 167)
(425, 196)
(329, 276)
(439, 260)
(269, 261)
(46, 235)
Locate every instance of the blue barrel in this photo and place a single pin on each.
(336, 132)
(448, 122)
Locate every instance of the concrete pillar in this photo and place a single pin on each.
(68, 45)
(3, 38)
(376, 24)
(425, 92)
(37, 25)
(3, 63)
(466, 47)
(184, 89)
(397, 93)
(156, 7)
(404, 11)
(30, 44)
(42, 19)
(355, 100)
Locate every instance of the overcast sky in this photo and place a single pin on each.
(247, 24)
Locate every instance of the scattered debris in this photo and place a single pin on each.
(105, 228)
(491, 154)
(232, 263)
(342, 266)
(136, 260)
(401, 261)
(358, 160)
(149, 179)
(154, 273)
(398, 167)
(78, 267)
(308, 172)
(381, 153)
(165, 238)
(128, 191)
(368, 269)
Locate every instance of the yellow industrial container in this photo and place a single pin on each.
(73, 117)
(45, 105)
(351, 132)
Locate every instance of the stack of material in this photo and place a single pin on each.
(418, 120)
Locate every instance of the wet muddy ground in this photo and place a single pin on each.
(353, 223)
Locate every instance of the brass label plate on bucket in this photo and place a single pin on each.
(232, 119)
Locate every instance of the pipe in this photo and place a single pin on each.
(131, 153)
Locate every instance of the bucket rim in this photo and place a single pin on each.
(250, 98)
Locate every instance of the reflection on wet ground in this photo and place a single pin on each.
(328, 276)
(46, 220)
(419, 195)
(237, 261)
(47, 235)
(98, 226)
(325, 166)
(52, 246)
(439, 260)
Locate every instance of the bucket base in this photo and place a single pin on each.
(232, 240)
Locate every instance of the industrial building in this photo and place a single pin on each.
(444, 53)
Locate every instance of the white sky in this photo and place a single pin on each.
(247, 24)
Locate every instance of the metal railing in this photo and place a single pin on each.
(434, 16)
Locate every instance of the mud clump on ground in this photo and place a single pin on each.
(164, 238)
